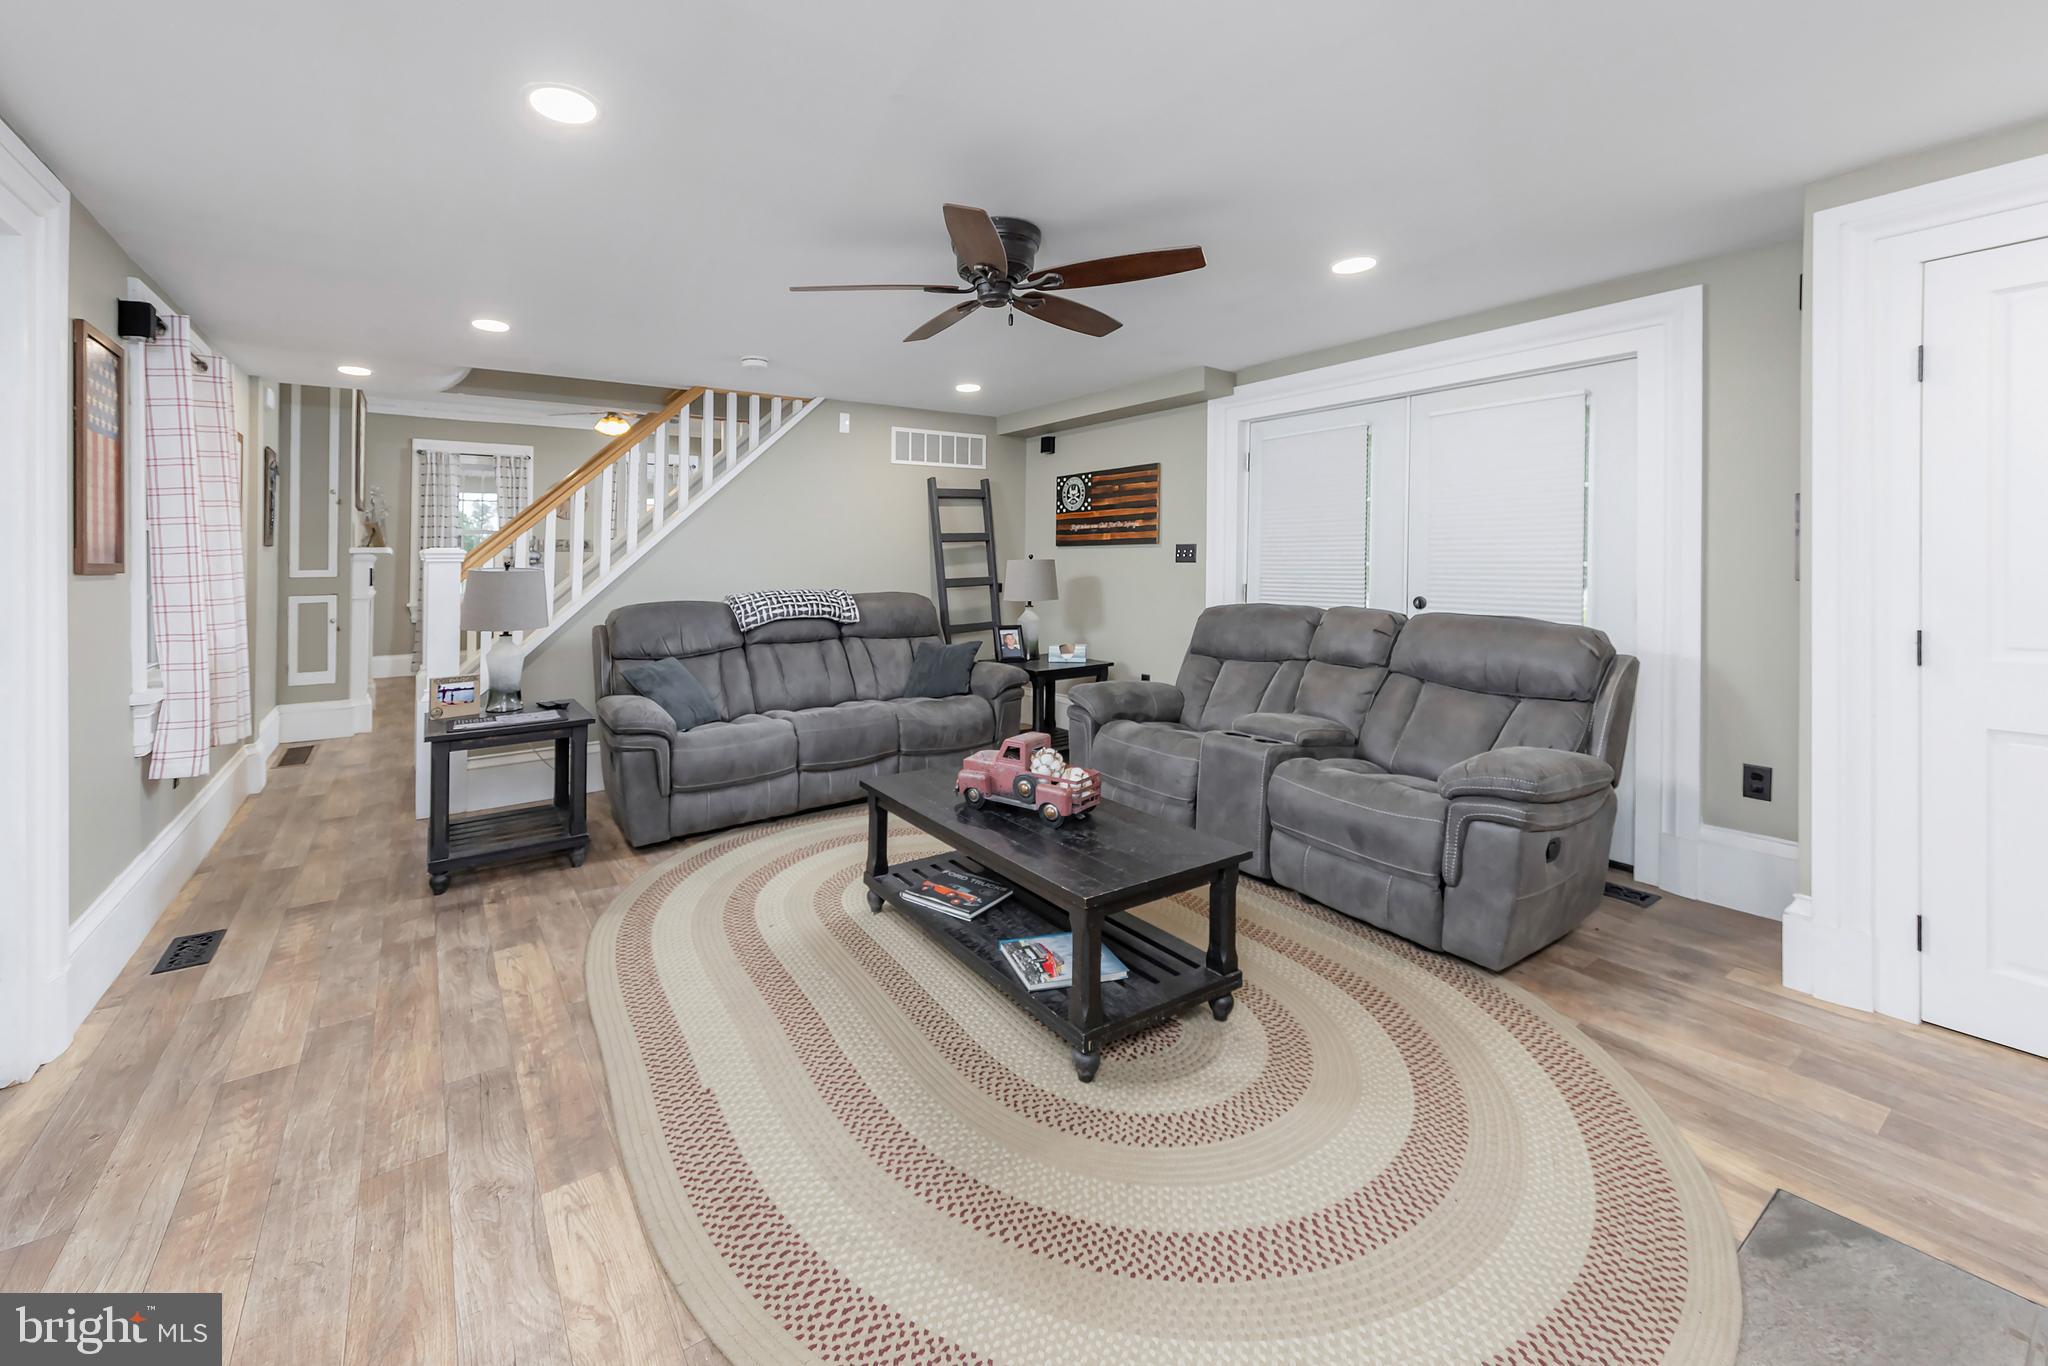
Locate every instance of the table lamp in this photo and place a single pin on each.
(1028, 581)
(504, 601)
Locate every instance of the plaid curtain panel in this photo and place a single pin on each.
(194, 507)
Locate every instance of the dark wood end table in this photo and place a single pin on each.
(456, 844)
(1084, 877)
(1045, 679)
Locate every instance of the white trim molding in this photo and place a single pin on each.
(294, 606)
(102, 940)
(299, 722)
(298, 569)
(390, 666)
(35, 555)
(1664, 333)
(1852, 942)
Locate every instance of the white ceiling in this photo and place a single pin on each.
(320, 184)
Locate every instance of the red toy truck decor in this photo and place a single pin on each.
(1025, 770)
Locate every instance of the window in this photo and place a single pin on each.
(476, 500)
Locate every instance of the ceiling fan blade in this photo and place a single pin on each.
(975, 240)
(1120, 270)
(824, 289)
(1068, 314)
(944, 320)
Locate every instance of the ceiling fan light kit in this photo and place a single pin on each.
(997, 258)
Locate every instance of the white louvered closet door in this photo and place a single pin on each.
(1521, 502)
(1324, 507)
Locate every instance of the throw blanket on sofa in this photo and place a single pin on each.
(751, 610)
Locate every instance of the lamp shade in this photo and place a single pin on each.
(1030, 581)
(504, 600)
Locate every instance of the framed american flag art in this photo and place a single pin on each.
(98, 395)
(1107, 507)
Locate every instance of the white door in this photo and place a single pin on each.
(1325, 500)
(1521, 502)
(1984, 612)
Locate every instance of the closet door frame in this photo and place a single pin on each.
(1664, 334)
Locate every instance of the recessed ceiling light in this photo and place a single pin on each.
(357, 370)
(611, 424)
(1353, 265)
(970, 387)
(489, 325)
(562, 103)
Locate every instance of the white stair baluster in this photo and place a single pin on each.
(706, 427)
(606, 527)
(577, 512)
(732, 432)
(633, 509)
(547, 558)
(660, 477)
(777, 419)
(753, 421)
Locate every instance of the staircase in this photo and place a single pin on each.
(594, 526)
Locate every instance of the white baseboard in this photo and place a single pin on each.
(511, 777)
(1753, 873)
(1832, 962)
(101, 941)
(298, 722)
(390, 666)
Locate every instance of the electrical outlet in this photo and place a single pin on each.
(1183, 554)
(1756, 782)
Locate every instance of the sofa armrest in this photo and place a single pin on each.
(1127, 701)
(991, 679)
(1525, 774)
(1293, 728)
(632, 714)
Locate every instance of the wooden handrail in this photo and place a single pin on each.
(535, 512)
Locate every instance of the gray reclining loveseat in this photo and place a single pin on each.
(1447, 778)
(806, 710)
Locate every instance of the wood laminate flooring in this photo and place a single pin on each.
(377, 1120)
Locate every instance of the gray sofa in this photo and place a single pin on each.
(1449, 778)
(806, 710)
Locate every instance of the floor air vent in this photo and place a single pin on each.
(1632, 896)
(188, 951)
(296, 755)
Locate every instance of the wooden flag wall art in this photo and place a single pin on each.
(1108, 507)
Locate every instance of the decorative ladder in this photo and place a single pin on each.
(941, 538)
(595, 524)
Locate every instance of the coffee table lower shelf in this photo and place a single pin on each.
(1168, 975)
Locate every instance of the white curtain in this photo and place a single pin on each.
(515, 487)
(435, 522)
(196, 573)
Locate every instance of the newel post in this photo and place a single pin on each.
(440, 647)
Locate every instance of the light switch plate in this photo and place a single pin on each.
(845, 423)
(1183, 553)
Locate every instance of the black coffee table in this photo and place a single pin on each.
(1083, 876)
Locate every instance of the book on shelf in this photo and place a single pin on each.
(1045, 961)
(962, 895)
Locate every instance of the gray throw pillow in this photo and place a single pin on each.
(941, 670)
(668, 683)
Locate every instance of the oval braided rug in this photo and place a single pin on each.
(847, 1148)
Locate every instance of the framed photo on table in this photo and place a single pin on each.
(1010, 644)
(98, 499)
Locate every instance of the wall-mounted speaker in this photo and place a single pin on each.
(139, 320)
(1045, 445)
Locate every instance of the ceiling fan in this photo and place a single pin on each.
(997, 259)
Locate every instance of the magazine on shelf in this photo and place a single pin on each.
(1045, 961)
(961, 895)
